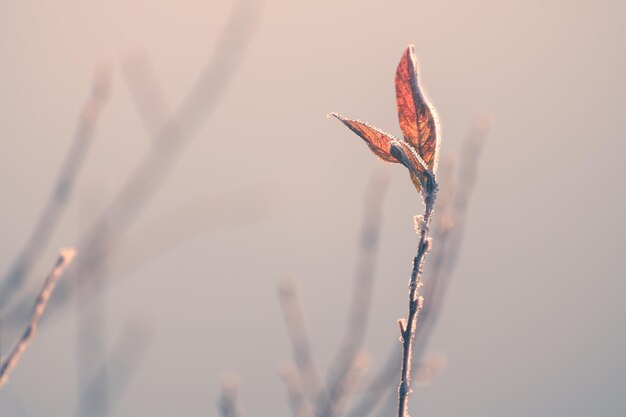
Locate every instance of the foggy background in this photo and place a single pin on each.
(533, 322)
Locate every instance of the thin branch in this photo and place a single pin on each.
(143, 183)
(360, 305)
(350, 383)
(145, 90)
(451, 228)
(152, 237)
(64, 259)
(91, 336)
(449, 235)
(300, 343)
(379, 385)
(415, 301)
(116, 371)
(300, 405)
(146, 179)
(54, 208)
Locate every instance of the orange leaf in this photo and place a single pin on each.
(378, 141)
(417, 120)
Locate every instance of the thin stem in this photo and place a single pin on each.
(300, 406)
(293, 312)
(116, 370)
(415, 304)
(15, 278)
(64, 259)
(449, 236)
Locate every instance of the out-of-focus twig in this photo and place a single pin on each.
(199, 105)
(299, 403)
(300, 343)
(449, 234)
(227, 404)
(145, 89)
(243, 207)
(64, 259)
(350, 383)
(358, 317)
(91, 317)
(429, 369)
(145, 180)
(53, 209)
(153, 237)
(116, 371)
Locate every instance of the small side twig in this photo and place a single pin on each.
(301, 346)
(64, 259)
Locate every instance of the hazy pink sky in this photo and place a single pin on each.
(533, 325)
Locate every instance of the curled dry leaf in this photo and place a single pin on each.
(419, 148)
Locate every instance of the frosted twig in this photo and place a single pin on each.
(451, 228)
(449, 235)
(358, 317)
(296, 327)
(415, 302)
(14, 278)
(64, 259)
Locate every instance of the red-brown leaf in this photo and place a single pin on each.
(417, 120)
(378, 141)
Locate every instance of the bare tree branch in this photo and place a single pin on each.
(146, 179)
(16, 276)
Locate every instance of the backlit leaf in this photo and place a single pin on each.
(378, 141)
(417, 120)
